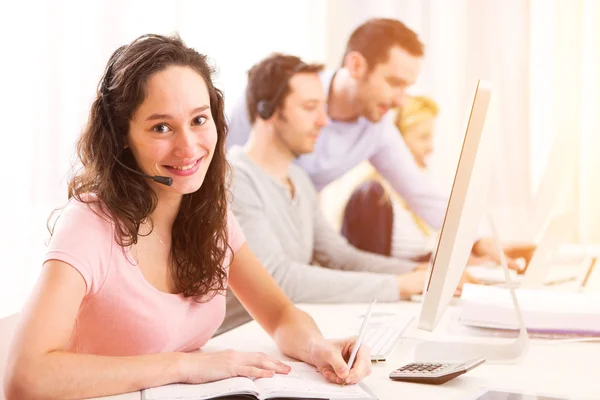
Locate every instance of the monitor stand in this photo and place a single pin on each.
(496, 353)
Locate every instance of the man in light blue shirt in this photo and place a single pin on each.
(382, 59)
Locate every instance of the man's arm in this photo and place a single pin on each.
(396, 164)
(302, 282)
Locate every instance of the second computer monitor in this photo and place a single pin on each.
(463, 215)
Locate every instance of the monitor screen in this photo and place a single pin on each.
(464, 213)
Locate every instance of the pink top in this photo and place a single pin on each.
(122, 314)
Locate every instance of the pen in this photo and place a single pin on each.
(359, 339)
(561, 281)
(589, 272)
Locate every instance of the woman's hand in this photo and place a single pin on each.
(198, 367)
(485, 248)
(331, 357)
(520, 252)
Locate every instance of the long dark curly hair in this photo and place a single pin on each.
(199, 237)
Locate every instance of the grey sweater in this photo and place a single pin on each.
(309, 260)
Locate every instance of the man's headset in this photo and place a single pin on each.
(165, 180)
(266, 108)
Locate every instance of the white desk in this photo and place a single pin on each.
(567, 369)
(559, 369)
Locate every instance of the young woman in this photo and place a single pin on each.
(133, 282)
(376, 218)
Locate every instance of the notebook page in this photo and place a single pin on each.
(305, 381)
(202, 391)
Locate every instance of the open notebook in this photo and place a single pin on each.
(303, 382)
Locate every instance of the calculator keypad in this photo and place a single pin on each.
(422, 368)
(432, 372)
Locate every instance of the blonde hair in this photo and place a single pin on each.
(416, 110)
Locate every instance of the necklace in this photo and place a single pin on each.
(145, 222)
(161, 242)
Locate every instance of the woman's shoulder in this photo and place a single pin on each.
(87, 213)
(83, 237)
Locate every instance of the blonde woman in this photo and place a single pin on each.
(376, 218)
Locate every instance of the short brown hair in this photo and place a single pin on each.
(374, 39)
(266, 78)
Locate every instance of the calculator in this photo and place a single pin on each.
(433, 373)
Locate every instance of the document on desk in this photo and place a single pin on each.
(303, 382)
(544, 310)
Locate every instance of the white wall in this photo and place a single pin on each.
(53, 53)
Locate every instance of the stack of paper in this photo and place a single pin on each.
(544, 311)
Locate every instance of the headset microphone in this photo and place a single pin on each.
(165, 180)
(266, 108)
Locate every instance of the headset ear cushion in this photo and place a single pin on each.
(264, 109)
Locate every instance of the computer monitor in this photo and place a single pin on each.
(466, 208)
(463, 215)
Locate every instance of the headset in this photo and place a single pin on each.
(165, 180)
(266, 108)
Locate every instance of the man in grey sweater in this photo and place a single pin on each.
(277, 205)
